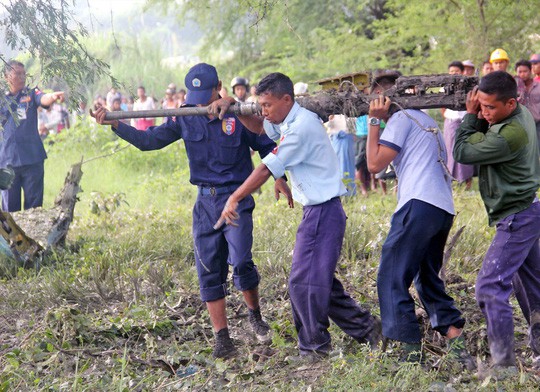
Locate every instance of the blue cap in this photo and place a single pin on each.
(199, 81)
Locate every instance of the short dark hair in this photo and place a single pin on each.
(500, 83)
(385, 80)
(276, 84)
(486, 62)
(11, 64)
(457, 64)
(142, 87)
(523, 63)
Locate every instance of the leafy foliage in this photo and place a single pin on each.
(119, 309)
(137, 59)
(437, 32)
(306, 40)
(311, 40)
(49, 33)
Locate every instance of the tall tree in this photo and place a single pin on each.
(300, 38)
(425, 36)
(311, 39)
(135, 60)
(48, 31)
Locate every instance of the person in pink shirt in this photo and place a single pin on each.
(143, 103)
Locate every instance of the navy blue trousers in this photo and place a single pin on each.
(413, 251)
(216, 249)
(512, 261)
(28, 178)
(316, 294)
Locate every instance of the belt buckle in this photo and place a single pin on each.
(212, 191)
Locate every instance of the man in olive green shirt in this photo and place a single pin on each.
(499, 134)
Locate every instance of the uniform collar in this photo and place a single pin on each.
(24, 91)
(509, 119)
(290, 117)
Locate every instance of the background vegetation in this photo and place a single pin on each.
(309, 40)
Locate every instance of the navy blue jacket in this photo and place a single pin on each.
(218, 150)
(20, 144)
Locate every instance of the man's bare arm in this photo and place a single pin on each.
(378, 156)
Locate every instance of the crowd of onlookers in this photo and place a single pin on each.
(114, 101)
(527, 76)
(53, 120)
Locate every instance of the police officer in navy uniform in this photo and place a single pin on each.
(21, 147)
(219, 161)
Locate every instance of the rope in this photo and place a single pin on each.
(435, 131)
(105, 155)
(348, 82)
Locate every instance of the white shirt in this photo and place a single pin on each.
(148, 104)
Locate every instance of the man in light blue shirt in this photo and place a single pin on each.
(306, 153)
(413, 250)
(314, 169)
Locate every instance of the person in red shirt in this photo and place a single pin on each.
(535, 62)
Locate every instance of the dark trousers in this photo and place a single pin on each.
(316, 294)
(215, 250)
(29, 178)
(413, 251)
(512, 261)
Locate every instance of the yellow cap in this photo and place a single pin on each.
(498, 55)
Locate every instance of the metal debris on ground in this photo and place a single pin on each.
(27, 236)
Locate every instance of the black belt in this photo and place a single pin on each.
(217, 190)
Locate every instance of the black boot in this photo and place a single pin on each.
(259, 326)
(224, 346)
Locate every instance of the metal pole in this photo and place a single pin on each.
(240, 109)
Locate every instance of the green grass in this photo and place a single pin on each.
(118, 308)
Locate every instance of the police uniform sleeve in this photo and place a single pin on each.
(154, 138)
(36, 97)
(260, 143)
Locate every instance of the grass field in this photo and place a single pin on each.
(118, 309)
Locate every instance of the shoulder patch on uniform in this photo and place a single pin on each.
(515, 136)
(477, 137)
(228, 125)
